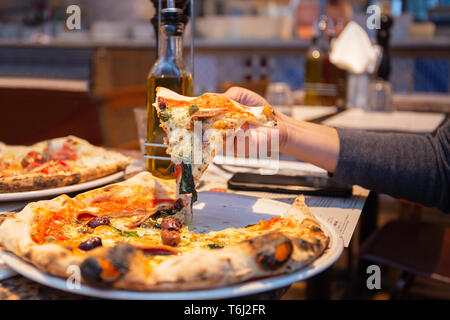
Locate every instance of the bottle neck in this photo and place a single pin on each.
(171, 46)
(322, 40)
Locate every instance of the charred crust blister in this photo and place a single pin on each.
(76, 178)
(6, 215)
(307, 246)
(120, 256)
(39, 181)
(109, 188)
(27, 255)
(91, 271)
(273, 250)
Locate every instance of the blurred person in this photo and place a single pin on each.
(408, 166)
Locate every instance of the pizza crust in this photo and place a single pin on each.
(235, 264)
(250, 259)
(125, 267)
(108, 163)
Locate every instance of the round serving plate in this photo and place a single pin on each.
(5, 271)
(38, 194)
(212, 211)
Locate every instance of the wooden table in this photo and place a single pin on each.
(19, 287)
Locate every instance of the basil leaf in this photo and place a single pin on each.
(172, 168)
(169, 212)
(214, 246)
(187, 184)
(125, 233)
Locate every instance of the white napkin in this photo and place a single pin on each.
(353, 51)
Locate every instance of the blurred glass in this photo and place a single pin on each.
(279, 95)
(357, 90)
(140, 115)
(380, 96)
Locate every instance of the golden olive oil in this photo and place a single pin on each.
(169, 71)
(182, 85)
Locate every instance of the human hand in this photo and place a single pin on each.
(259, 134)
(306, 141)
(245, 97)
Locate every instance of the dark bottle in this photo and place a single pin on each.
(383, 38)
(320, 73)
(338, 76)
(328, 82)
(169, 71)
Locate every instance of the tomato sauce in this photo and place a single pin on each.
(119, 205)
(207, 101)
(51, 224)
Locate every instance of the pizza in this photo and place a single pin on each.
(195, 128)
(55, 163)
(133, 235)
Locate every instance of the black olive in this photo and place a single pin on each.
(179, 204)
(161, 103)
(90, 244)
(169, 223)
(98, 221)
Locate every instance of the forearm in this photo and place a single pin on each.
(408, 166)
(311, 143)
(405, 166)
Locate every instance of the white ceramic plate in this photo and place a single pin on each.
(213, 211)
(16, 196)
(5, 271)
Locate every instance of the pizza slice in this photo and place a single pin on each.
(55, 163)
(195, 128)
(129, 235)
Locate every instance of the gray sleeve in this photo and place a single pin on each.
(408, 166)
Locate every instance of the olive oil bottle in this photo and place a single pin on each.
(320, 74)
(313, 72)
(169, 71)
(314, 66)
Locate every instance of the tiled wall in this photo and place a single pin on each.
(431, 75)
(408, 74)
